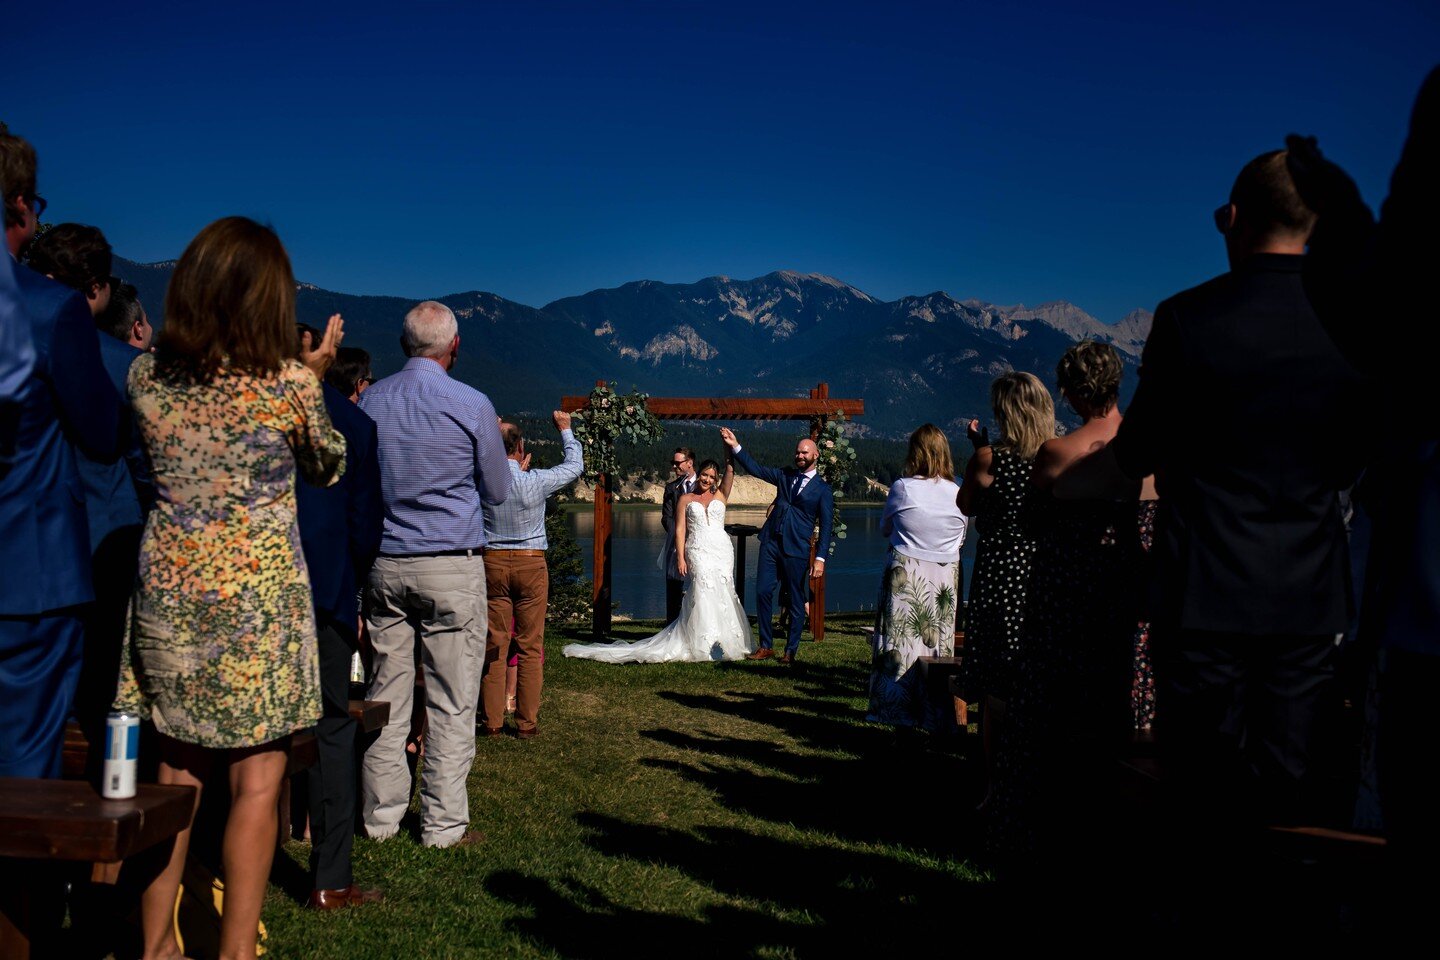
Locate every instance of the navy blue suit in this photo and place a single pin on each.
(785, 544)
(118, 495)
(67, 403)
(17, 352)
(340, 528)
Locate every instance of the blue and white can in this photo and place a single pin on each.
(122, 756)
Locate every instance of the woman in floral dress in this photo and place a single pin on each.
(222, 649)
(920, 592)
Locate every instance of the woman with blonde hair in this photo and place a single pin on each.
(222, 654)
(920, 591)
(997, 492)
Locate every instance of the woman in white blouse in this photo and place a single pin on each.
(920, 592)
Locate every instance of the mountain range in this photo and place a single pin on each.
(915, 359)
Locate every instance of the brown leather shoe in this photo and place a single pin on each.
(527, 734)
(472, 838)
(786, 659)
(492, 731)
(351, 896)
(764, 653)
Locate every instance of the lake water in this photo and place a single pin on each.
(852, 575)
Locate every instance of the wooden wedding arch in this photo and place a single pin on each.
(817, 408)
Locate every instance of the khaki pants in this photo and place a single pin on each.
(518, 588)
(442, 601)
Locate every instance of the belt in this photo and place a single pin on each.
(472, 552)
(493, 551)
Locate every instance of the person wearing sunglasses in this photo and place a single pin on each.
(682, 481)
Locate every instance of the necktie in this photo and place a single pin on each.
(799, 482)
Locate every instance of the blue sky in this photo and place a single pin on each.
(1012, 152)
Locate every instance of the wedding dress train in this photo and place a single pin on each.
(712, 623)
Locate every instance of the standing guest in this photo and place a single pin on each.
(77, 256)
(682, 464)
(340, 535)
(66, 405)
(441, 455)
(125, 318)
(17, 350)
(803, 502)
(1357, 269)
(118, 494)
(920, 589)
(517, 581)
(1251, 557)
(350, 373)
(997, 493)
(222, 647)
(1076, 665)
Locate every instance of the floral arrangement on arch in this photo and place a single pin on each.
(611, 417)
(837, 457)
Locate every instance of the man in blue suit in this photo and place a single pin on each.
(803, 500)
(67, 403)
(340, 528)
(17, 353)
(118, 493)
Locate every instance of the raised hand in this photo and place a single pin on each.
(319, 357)
(562, 420)
(728, 435)
(525, 463)
(979, 436)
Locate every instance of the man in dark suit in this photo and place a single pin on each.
(67, 403)
(340, 528)
(118, 494)
(682, 464)
(803, 499)
(1244, 414)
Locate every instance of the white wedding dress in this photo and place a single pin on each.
(712, 623)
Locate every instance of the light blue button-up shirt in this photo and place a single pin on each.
(440, 456)
(519, 522)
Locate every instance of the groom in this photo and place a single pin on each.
(802, 497)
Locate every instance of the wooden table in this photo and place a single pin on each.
(67, 820)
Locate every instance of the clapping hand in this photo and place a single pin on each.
(728, 436)
(525, 463)
(979, 436)
(319, 357)
(562, 420)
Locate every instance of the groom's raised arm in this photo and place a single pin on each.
(771, 475)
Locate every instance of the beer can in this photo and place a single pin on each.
(122, 756)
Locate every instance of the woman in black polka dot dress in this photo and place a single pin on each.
(997, 492)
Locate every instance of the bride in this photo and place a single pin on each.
(712, 623)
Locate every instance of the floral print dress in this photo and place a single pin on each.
(915, 618)
(221, 648)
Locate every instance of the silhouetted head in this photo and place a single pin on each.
(707, 476)
(1265, 213)
(18, 168)
(1024, 412)
(1088, 376)
(806, 453)
(77, 256)
(929, 454)
(350, 373)
(125, 318)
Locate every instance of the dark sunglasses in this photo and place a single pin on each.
(1222, 217)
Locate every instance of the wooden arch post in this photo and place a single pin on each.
(816, 410)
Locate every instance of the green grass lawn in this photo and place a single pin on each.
(739, 809)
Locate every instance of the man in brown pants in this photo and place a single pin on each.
(516, 579)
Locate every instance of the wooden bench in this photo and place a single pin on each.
(69, 821)
(371, 715)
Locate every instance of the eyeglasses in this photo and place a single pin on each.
(365, 380)
(677, 464)
(1222, 217)
(38, 205)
